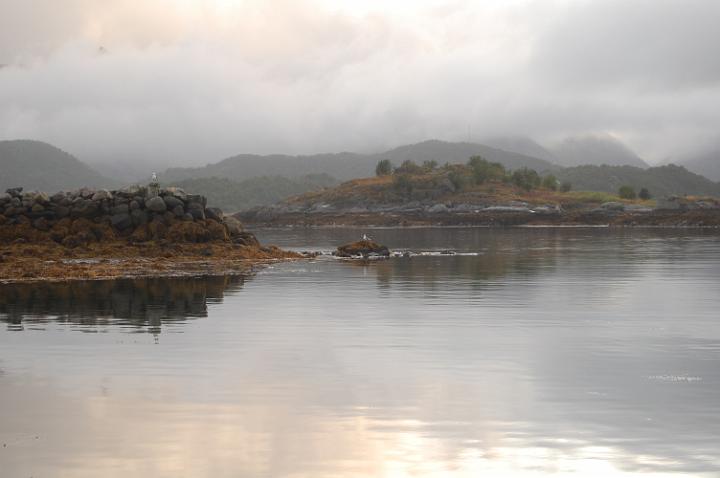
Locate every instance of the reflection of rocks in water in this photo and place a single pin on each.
(490, 264)
(143, 304)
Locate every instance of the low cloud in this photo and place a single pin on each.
(177, 83)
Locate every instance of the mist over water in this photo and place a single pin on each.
(586, 352)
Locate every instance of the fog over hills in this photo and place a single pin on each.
(521, 145)
(706, 164)
(183, 83)
(596, 150)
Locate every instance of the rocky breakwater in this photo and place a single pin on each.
(136, 231)
(75, 218)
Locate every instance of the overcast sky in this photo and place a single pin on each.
(183, 82)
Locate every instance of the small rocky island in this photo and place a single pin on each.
(364, 248)
(136, 231)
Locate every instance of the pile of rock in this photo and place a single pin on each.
(365, 248)
(137, 213)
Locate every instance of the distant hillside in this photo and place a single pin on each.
(660, 181)
(521, 145)
(41, 166)
(233, 196)
(596, 150)
(444, 152)
(707, 164)
(351, 165)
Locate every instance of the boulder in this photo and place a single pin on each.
(120, 209)
(84, 208)
(102, 195)
(139, 217)
(176, 192)
(15, 192)
(245, 239)
(233, 226)
(179, 211)
(362, 248)
(197, 210)
(437, 208)
(156, 204)
(121, 221)
(214, 213)
(62, 211)
(172, 202)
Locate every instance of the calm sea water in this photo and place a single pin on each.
(531, 352)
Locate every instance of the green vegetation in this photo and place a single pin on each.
(384, 168)
(403, 184)
(430, 165)
(526, 178)
(627, 192)
(644, 194)
(409, 167)
(483, 170)
(550, 182)
(233, 196)
(565, 186)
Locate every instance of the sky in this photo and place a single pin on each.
(181, 82)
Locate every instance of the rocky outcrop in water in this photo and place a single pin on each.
(136, 214)
(364, 248)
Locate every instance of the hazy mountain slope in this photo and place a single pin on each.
(521, 145)
(233, 196)
(660, 181)
(41, 166)
(246, 166)
(707, 164)
(350, 165)
(597, 150)
(443, 152)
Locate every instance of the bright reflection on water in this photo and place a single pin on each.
(563, 352)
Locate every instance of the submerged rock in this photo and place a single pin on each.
(362, 248)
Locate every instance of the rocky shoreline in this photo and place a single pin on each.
(610, 214)
(140, 231)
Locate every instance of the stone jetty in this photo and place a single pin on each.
(136, 214)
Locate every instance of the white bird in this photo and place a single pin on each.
(366, 237)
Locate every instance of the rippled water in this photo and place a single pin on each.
(552, 352)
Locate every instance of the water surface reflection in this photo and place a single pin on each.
(144, 305)
(548, 353)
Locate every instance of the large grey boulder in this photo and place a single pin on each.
(156, 204)
(197, 210)
(214, 213)
(121, 221)
(172, 202)
(139, 217)
(176, 192)
(102, 195)
(437, 208)
(120, 209)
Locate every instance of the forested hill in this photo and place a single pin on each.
(41, 166)
(233, 196)
(352, 165)
(660, 181)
